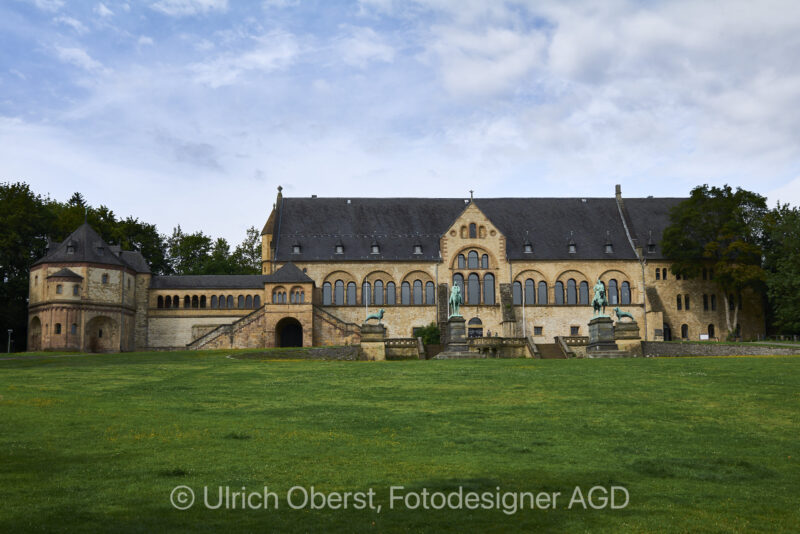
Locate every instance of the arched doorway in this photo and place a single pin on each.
(667, 332)
(475, 327)
(35, 335)
(288, 333)
(711, 332)
(101, 335)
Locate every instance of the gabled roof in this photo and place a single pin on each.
(135, 260)
(66, 273)
(84, 245)
(288, 274)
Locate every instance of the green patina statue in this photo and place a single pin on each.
(377, 316)
(621, 314)
(455, 301)
(599, 302)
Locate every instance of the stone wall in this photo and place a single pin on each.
(176, 332)
(402, 349)
(657, 349)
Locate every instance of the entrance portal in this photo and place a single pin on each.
(289, 333)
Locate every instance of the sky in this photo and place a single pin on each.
(193, 112)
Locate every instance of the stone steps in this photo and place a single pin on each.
(550, 351)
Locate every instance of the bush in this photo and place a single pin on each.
(429, 334)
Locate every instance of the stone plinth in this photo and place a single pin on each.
(373, 346)
(601, 335)
(456, 346)
(627, 330)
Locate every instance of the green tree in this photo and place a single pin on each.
(719, 228)
(188, 253)
(781, 240)
(247, 256)
(219, 261)
(132, 234)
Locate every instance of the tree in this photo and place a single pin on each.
(719, 228)
(188, 252)
(132, 234)
(247, 255)
(781, 243)
(219, 260)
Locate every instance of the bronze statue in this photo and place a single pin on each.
(455, 301)
(599, 301)
(621, 314)
(377, 316)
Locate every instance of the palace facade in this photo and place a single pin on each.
(526, 267)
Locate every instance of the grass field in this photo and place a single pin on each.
(95, 443)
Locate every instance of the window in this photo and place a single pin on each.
(473, 231)
(713, 303)
(711, 331)
(559, 293)
(338, 293)
(187, 302)
(375, 248)
(417, 292)
(475, 328)
(36, 280)
(472, 260)
(104, 278)
(542, 293)
(658, 274)
(196, 302)
(229, 301)
(613, 292)
(100, 333)
(473, 290)
(651, 248)
(664, 273)
(378, 293)
(430, 293)
(391, 294)
(214, 301)
(679, 303)
(257, 300)
(417, 249)
(59, 289)
(366, 293)
(71, 247)
(351, 293)
(684, 331)
(538, 330)
(705, 302)
(527, 248)
(609, 248)
(405, 293)
(530, 294)
(221, 301)
(625, 293)
(160, 302)
(240, 300)
(572, 248)
(516, 293)
(73, 329)
(485, 261)
(462, 262)
(339, 248)
(574, 330)
(686, 302)
(488, 289)
(168, 302)
(584, 293)
(296, 249)
(248, 302)
(572, 292)
(458, 280)
(58, 328)
(326, 294)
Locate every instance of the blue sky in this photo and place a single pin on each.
(192, 112)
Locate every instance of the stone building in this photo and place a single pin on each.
(526, 267)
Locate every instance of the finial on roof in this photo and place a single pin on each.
(470, 195)
(280, 188)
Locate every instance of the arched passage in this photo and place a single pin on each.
(288, 333)
(35, 334)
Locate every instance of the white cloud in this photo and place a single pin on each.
(72, 23)
(178, 8)
(103, 11)
(272, 51)
(78, 57)
(280, 4)
(145, 40)
(49, 5)
(364, 45)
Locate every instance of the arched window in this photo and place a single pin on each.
(58, 328)
(458, 280)
(430, 293)
(195, 302)
(248, 301)
(391, 294)
(366, 293)
(338, 293)
(516, 293)
(213, 301)
(473, 290)
(542, 292)
(572, 292)
(485, 261)
(378, 293)
(176, 301)
(685, 331)
(472, 260)
(462, 262)
(711, 331)
(613, 292)
(475, 328)
(488, 289)
(276, 297)
(187, 301)
(405, 294)
(74, 328)
(686, 302)
(530, 292)
(473, 231)
(679, 302)
(713, 303)
(257, 301)
(230, 301)
(625, 293)
(584, 293)
(202, 301)
(168, 302)
(160, 302)
(559, 293)
(417, 292)
(705, 302)
(292, 297)
(351, 293)
(327, 299)
(664, 273)
(240, 301)
(658, 274)
(76, 288)
(221, 301)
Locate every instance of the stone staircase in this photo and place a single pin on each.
(223, 335)
(550, 351)
(331, 330)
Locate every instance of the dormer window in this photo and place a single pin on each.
(417, 249)
(339, 247)
(100, 251)
(296, 248)
(609, 248)
(527, 248)
(71, 247)
(651, 248)
(375, 247)
(572, 248)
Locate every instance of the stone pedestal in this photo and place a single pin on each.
(601, 335)
(456, 346)
(373, 337)
(627, 330)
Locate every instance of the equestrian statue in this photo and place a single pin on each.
(599, 302)
(455, 301)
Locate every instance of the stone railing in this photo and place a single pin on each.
(500, 347)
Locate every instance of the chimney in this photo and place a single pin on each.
(618, 191)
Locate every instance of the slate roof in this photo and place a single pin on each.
(288, 274)
(87, 246)
(397, 224)
(65, 273)
(211, 281)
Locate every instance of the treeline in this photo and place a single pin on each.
(28, 219)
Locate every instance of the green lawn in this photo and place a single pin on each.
(98, 443)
